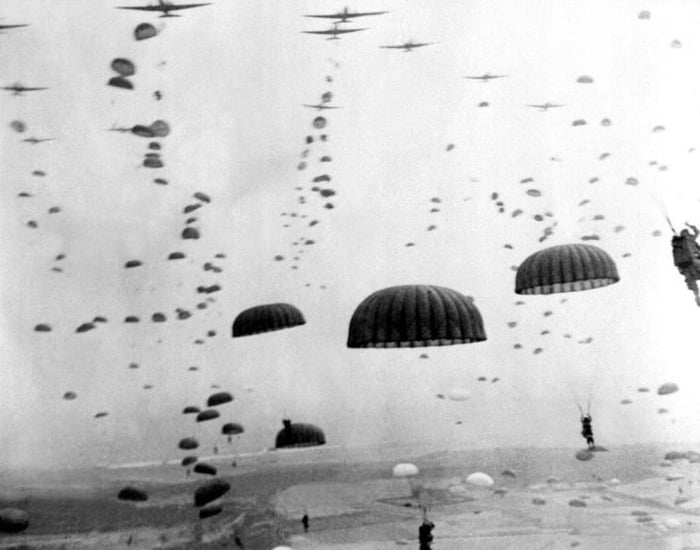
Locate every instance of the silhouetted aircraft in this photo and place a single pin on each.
(165, 7)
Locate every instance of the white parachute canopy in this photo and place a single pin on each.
(480, 479)
(458, 394)
(405, 470)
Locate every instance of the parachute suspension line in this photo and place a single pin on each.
(662, 207)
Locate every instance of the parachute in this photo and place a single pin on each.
(120, 82)
(144, 31)
(154, 146)
(190, 233)
(188, 444)
(131, 319)
(42, 327)
(219, 399)
(208, 414)
(204, 468)
(101, 414)
(458, 394)
(266, 318)
(585, 79)
(565, 268)
(85, 327)
(405, 470)
(132, 263)
(480, 479)
(667, 388)
(176, 256)
(158, 318)
(415, 316)
(210, 491)
(299, 435)
(69, 395)
(188, 460)
(153, 163)
(133, 494)
(160, 128)
(319, 122)
(143, 131)
(13, 520)
(123, 67)
(18, 126)
(584, 455)
(209, 511)
(232, 428)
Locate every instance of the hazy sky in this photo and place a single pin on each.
(234, 78)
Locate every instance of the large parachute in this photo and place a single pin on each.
(13, 520)
(210, 491)
(123, 67)
(208, 414)
(219, 399)
(133, 494)
(565, 268)
(267, 318)
(232, 428)
(415, 316)
(144, 31)
(299, 435)
(188, 444)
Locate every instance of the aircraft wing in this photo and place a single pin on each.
(334, 16)
(186, 6)
(421, 44)
(319, 106)
(141, 8)
(33, 89)
(334, 31)
(3, 27)
(393, 47)
(364, 13)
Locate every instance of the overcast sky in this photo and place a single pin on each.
(233, 78)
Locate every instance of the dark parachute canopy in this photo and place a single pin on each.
(209, 414)
(219, 398)
(120, 82)
(209, 511)
(69, 395)
(415, 316)
(204, 468)
(144, 31)
(299, 435)
(565, 268)
(188, 444)
(209, 491)
(13, 520)
(160, 128)
(191, 409)
(142, 131)
(132, 493)
(232, 428)
(123, 67)
(267, 318)
(188, 460)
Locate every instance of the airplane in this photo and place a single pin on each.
(5, 27)
(345, 16)
(486, 77)
(164, 6)
(36, 141)
(408, 46)
(17, 89)
(320, 106)
(334, 32)
(546, 106)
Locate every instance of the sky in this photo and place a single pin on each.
(234, 77)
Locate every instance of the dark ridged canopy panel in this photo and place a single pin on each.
(266, 318)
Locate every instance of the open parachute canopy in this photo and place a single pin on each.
(120, 82)
(209, 511)
(191, 409)
(415, 316)
(144, 31)
(299, 435)
(210, 491)
(565, 268)
(204, 468)
(480, 479)
(405, 470)
(123, 66)
(208, 414)
(133, 494)
(232, 428)
(266, 318)
(188, 460)
(188, 444)
(667, 388)
(219, 398)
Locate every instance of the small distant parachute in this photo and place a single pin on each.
(578, 122)
(606, 122)
(508, 473)
(576, 503)
(204, 468)
(534, 192)
(631, 181)
(191, 233)
(219, 399)
(458, 394)
(644, 14)
(202, 196)
(188, 460)
(158, 318)
(188, 443)
(85, 327)
(565, 268)
(585, 79)
(132, 263)
(415, 316)
(176, 256)
(143, 31)
(142, 131)
(266, 318)
(405, 470)
(299, 435)
(69, 395)
(208, 414)
(209, 511)
(626, 402)
(210, 491)
(232, 428)
(13, 520)
(123, 67)
(319, 123)
(154, 146)
(131, 319)
(584, 455)
(133, 494)
(539, 501)
(657, 129)
(160, 129)
(480, 479)
(667, 388)
(18, 126)
(101, 414)
(676, 44)
(120, 82)
(153, 163)
(42, 327)
(643, 390)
